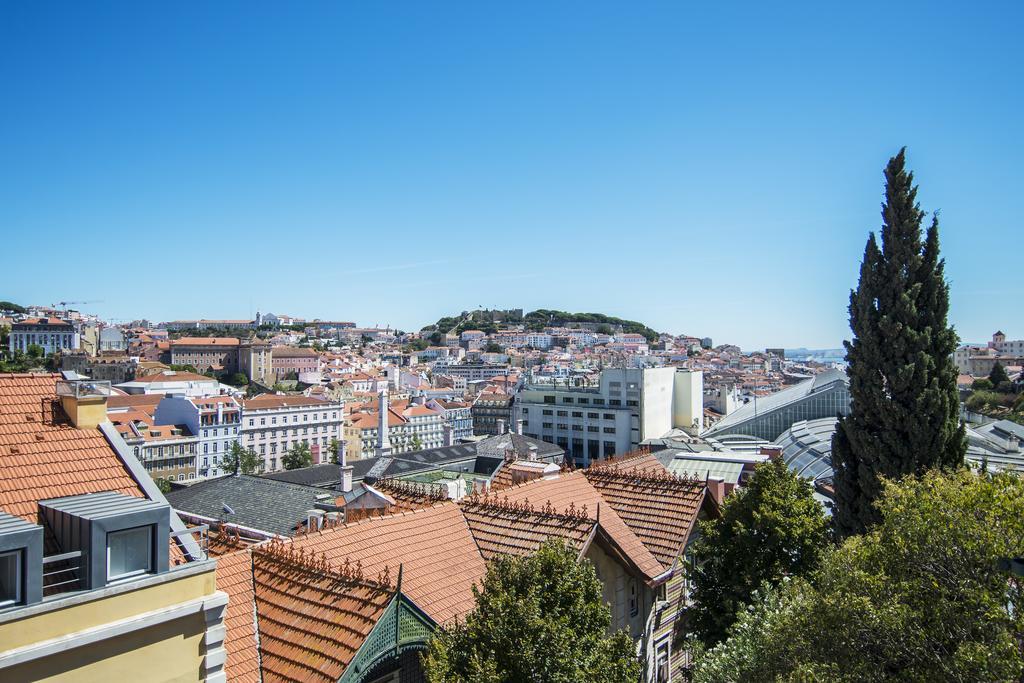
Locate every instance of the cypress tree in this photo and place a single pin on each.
(998, 375)
(904, 413)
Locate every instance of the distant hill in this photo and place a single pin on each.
(12, 307)
(488, 321)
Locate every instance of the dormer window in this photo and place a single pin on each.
(129, 552)
(10, 578)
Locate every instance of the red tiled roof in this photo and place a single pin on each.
(40, 459)
(234, 577)
(434, 545)
(568, 493)
(312, 617)
(661, 509)
(502, 528)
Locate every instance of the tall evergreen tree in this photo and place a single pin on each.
(904, 411)
(998, 375)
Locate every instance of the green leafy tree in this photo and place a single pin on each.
(416, 443)
(335, 450)
(539, 618)
(162, 484)
(920, 597)
(770, 529)
(998, 375)
(35, 351)
(177, 367)
(904, 415)
(297, 456)
(244, 460)
(981, 385)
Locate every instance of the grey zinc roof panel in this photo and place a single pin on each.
(100, 505)
(702, 469)
(777, 400)
(10, 523)
(256, 502)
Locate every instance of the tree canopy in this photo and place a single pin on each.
(297, 456)
(998, 375)
(920, 597)
(904, 411)
(769, 529)
(539, 618)
(242, 459)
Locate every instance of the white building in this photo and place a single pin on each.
(272, 424)
(52, 334)
(215, 420)
(628, 406)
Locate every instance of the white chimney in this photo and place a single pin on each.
(501, 426)
(346, 478)
(383, 443)
(519, 427)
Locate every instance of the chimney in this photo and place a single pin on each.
(383, 443)
(84, 401)
(716, 487)
(449, 435)
(346, 478)
(314, 519)
(501, 427)
(519, 427)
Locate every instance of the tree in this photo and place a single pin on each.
(904, 413)
(35, 351)
(769, 529)
(335, 450)
(177, 367)
(297, 456)
(998, 375)
(162, 484)
(920, 597)
(235, 379)
(416, 443)
(981, 385)
(539, 618)
(242, 459)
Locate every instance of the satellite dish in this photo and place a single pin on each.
(227, 508)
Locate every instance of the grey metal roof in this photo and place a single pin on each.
(468, 455)
(766, 404)
(10, 523)
(256, 502)
(93, 506)
(702, 469)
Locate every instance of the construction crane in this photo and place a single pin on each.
(64, 304)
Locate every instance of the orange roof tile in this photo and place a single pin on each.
(312, 617)
(568, 493)
(234, 577)
(434, 545)
(510, 529)
(43, 456)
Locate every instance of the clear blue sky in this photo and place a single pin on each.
(708, 170)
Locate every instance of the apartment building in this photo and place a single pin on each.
(181, 325)
(119, 589)
(52, 334)
(219, 354)
(215, 420)
(410, 426)
(613, 417)
(471, 372)
(492, 413)
(272, 424)
(456, 415)
(165, 451)
(291, 361)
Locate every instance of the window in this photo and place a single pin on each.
(10, 578)
(592, 416)
(567, 399)
(661, 662)
(633, 404)
(129, 552)
(577, 413)
(634, 604)
(563, 413)
(609, 416)
(547, 412)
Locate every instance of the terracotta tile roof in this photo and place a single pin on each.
(172, 376)
(40, 459)
(568, 493)
(206, 341)
(434, 545)
(274, 401)
(660, 508)
(409, 495)
(234, 577)
(312, 617)
(145, 402)
(504, 528)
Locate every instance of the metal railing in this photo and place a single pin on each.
(200, 534)
(65, 575)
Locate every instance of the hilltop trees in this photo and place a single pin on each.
(538, 618)
(904, 410)
(769, 529)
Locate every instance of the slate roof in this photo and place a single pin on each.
(256, 502)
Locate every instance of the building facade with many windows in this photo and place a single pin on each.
(273, 424)
(52, 334)
(215, 420)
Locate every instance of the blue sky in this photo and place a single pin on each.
(708, 170)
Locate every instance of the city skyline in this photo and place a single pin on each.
(711, 172)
